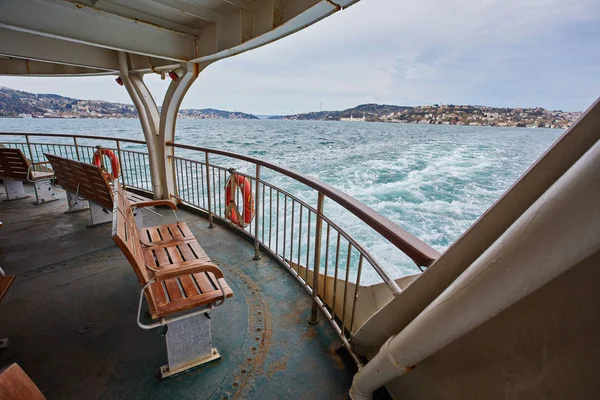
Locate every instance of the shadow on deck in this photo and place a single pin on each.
(71, 317)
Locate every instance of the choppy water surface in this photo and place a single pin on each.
(434, 181)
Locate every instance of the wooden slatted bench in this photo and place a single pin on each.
(15, 384)
(6, 282)
(16, 169)
(178, 281)
(87, 181)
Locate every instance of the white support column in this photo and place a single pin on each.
(159, 126)
(148, 118)
(168, 118)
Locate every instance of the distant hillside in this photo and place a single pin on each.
(448, 114)
(370, 111)
(14, 103)
(211, 113)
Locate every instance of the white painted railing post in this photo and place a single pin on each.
(256, 214)
(317, 261)
(210, 215)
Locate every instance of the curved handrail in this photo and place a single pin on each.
(72, 136)
(421, 253)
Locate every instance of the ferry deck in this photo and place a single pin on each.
(70, 317)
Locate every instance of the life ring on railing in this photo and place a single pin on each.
(115, 165)
(231, 212)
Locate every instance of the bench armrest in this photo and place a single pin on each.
(154, 203)
(176, 270)
(40, 162)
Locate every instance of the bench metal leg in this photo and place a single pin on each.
(43, 191)
(189, 344)
(76, 204)
(14, 190)
(99, 215)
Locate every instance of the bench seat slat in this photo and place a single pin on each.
(165, 233)
(157, 297)
(161, 256)
(188, 286)
(198, 251)
(185, 230)
(174, 290)
(185, 250)
(203, 282)
(154, 235)
(174, 254)
(174, 232)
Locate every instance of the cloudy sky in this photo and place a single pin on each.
(407, 52)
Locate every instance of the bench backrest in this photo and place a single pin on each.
(126, 236)
(87, 180)
(13, 164)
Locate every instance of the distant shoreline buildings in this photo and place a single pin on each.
(352, 119)
(450, 115)
(485, 116)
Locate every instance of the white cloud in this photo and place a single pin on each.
(509, 52)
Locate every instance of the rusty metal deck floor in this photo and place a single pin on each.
(71, 317)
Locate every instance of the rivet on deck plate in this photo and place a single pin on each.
(86, 329)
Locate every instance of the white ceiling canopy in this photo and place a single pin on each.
(84, 37)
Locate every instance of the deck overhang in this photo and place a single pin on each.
(85, 37)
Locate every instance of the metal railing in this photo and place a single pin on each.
(323, 257)
(134, 162)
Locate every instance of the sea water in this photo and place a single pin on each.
(432, 180)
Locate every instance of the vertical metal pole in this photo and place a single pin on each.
(232, 196)
(120, 158)
(176, 168)
(210, 216)
(356, 288)
(77, 148)
(256, 214)
(29, 147)
(102, 158)
(317, 260)
(176, 171)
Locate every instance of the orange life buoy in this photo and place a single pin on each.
(232, 212)
(115, 165)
